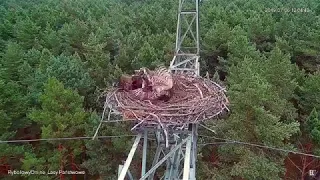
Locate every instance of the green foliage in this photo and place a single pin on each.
(61, 113)
(310, 92)
(258, 111)
(257, 167)
(105, 154)
(69, 70)
(313, 125)
(13, 106)
(10, 61)
(30, 161)
(280, 73)
(26, 32)
(10, 150)
(98, 59)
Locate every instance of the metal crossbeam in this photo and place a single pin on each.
(144, 153)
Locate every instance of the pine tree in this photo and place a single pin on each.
(313, 125)
(105, 155)
(310, 92)
(257, 108)
(61, 115)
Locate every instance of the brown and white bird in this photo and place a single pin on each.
(125, 82)
(149, 85)
(160, 81)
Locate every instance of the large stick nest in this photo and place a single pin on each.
(177, 99)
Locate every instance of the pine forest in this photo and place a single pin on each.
(58, 56)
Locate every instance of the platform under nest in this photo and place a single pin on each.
(159, 97)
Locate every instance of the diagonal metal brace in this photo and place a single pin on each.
(164, 159)
(129, 159)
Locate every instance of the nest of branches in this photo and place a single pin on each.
(188, 100)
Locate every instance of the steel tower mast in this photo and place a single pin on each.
(187, 50)
(176, 147)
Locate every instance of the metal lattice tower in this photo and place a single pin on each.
(176, 147)
(187, 48)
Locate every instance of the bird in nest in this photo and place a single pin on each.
(149, 85)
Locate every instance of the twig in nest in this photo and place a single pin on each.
(118, 100)
(137, 125)
(150, 103)
(178, 115)
(185, 86)
(201, 95)
(134, 114)
(219, 86)
(164, 129)
(226, 108)
(199, 115)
